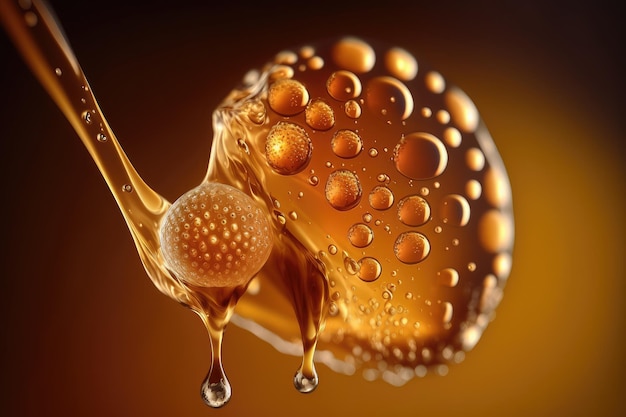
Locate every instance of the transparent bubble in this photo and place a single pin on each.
(411, 247)
(288, 97)
(369, 269)
(346, 143)
(319, 115)
(343, 85)
(389, 97)
(381, 197)
(288, 148)
(360, 235)
(413, 210)
(420, 156)
(343, 189)
(454, 210)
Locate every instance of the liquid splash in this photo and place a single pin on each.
(381, 210)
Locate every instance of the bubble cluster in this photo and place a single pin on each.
(215, 236)
(383, 173)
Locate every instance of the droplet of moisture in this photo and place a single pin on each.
(343, 85)
(381, 198)
(288, 97)
(401, 64)
(343, 189)
(413, 210)
(346, 143)
(354, 55)
(360, 235)
(420, 156)
(288, 148)
(411, 247)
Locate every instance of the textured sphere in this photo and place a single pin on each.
(215, 236)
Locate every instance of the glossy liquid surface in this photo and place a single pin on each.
(390, 207)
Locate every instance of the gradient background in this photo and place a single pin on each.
(84, 332)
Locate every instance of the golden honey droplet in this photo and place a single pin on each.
(495, 231)
(411, 247)
(353, 109)
(462, 110)
(473, 189)
(343, 85)
(454, 210)
(435, 82)
(401, 64)
(381, 197)
(388, 97)
(420, 156)
(343, 189)
(319, 115)
(448, 277)
(360, 235)
(288, 148)
(354, 55)
(346, 143)
(288, 97)
(413, 210)
(475, 159)
(369, 269)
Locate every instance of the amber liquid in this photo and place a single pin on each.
(390, 207)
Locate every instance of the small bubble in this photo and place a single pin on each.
(314, 180)
(452, 137)
(332, 249)
(288, 148)
(435, 82)
(471, 267)
(413, 210)
(367, 217)
(448, 277)
(420, 156)
(443, 117)
(389, 97)
(475, 159)
(31, 19)
(353, 109)
(319, 115)
(293, 215)
(343, 189)
(454, 210)
(473, 189)
(127, 188)
(411, 247)
(288, 97)
(401, 64)
(381, 198)
(101, 137)
(58, 71)
(87, 117)
(495, 231)
(462, 109)
(346, 144)
(373, 152)
(316, 63)
(497, 189)
(369, 269)
(354, 55)
(360, 235)
(343, 85)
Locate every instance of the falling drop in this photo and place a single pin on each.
(305, 384)
(343, 189)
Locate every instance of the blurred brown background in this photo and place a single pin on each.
(84, 332)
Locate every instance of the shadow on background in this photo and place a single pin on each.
(86, 333)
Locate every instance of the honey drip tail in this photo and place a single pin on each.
(42, 43)
(217, 308)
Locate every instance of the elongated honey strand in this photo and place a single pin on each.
(40, 40)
